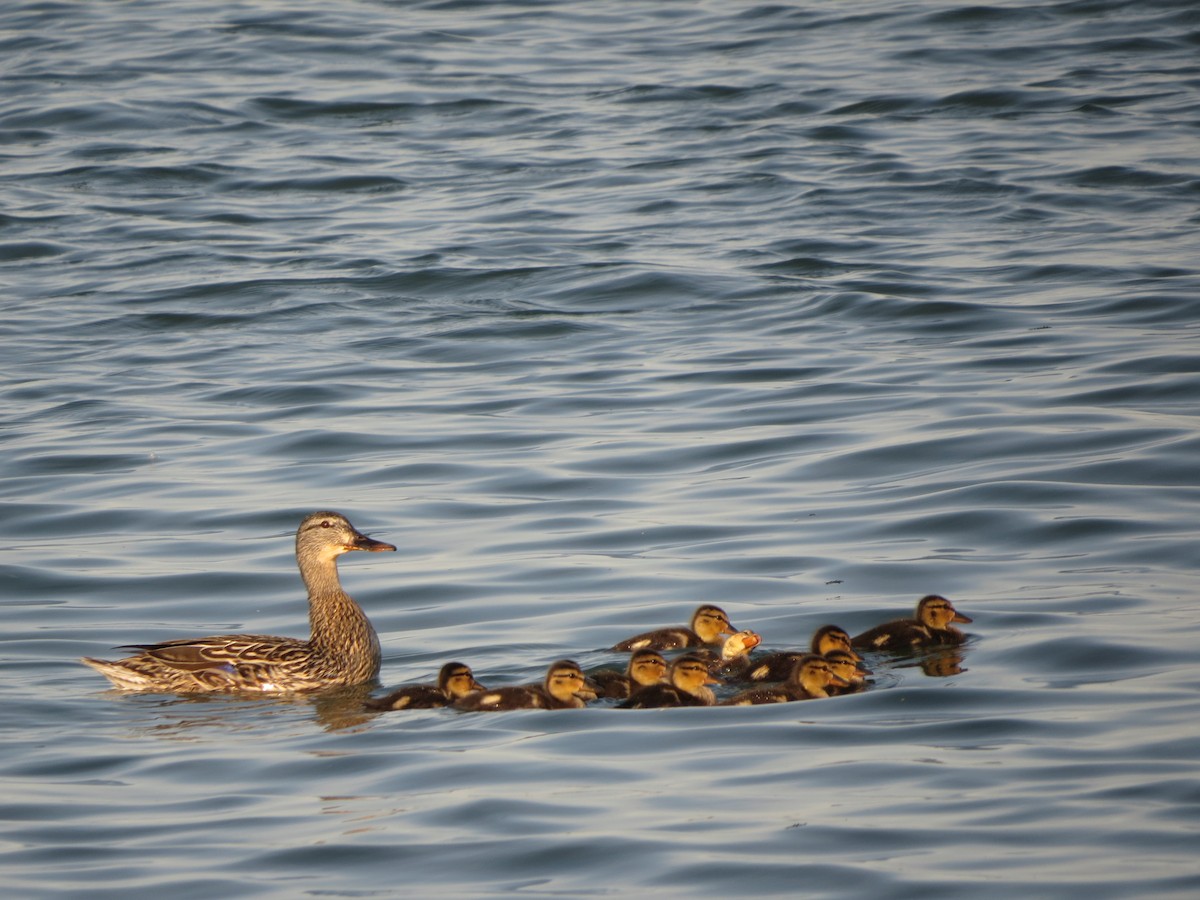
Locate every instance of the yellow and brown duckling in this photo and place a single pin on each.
(342, 647)
(930, 627)
(811, 679)
(779, 666)
(645, 667)
(564, 687)
(707, 625)
(734, 659)
(687, 684)
(455, 681)
(850, 669)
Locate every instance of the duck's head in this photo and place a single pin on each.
(937, 612)
(646, 667)
(739, 644)
(831, 637)
(327, 535)
(814, 673)
(710, 622)
(847, 666)
(690, 673)
(457, 680)
(565, 681)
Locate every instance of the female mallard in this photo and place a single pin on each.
(708, 624)
(455, 681)
(645, 667)
(563, 688)
(778, 666)
(810, 679)
(342, 648)
(930, 627)
(686, 685)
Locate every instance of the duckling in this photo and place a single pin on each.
(734, 658)
(778, 666)
(455, 681)
(930, 627)
(810, 679)
(707, 626)
(686, 685)
(645, 667)
(564, 687)
(849, 669)
(342, 648)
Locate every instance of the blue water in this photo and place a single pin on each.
(601, 311)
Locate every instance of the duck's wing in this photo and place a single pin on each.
(662, 639)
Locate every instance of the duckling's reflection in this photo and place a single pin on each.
(941, 663)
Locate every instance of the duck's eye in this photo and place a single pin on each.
(326, 524)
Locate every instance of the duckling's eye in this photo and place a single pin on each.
(326, 524)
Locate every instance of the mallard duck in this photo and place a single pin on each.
(686, 685)
(847, 666)
(930, 627)
(645, 667)
(342, 648)
(708, 624)
(455, 681)
(810, 679)
(734, 659)
(778, 666)
(564, 687)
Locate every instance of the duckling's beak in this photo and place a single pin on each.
(710, 679)
(476, 686)
(838, 679)
(362, 542)
(959, 617)
(753, 640)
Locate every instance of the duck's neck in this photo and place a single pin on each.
(340, 630)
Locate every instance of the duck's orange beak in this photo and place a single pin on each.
(959, 617)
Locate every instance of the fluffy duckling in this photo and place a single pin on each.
(847, 667)
(455, 681)
(342, 648)
(686, 685)
(564, 687)
(810, 679)
(734, 659)
(930, 627)
(645, 667)
(707, 626)
(778, 666)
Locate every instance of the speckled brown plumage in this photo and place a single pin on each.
(342, 648)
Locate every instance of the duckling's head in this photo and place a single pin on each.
(457, 680)
(710, 622)
(937, 612)
(739, 644)
(847, 667)
(690, 673)
(815, 674)
(565, 681)
(647, 667)
(324, 536)
(831, 637)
